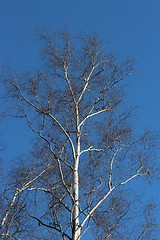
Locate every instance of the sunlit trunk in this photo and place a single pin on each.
(75, 215)
(75, 228)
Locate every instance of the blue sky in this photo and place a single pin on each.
(131, 28)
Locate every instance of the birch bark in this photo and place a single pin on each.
(76, 229)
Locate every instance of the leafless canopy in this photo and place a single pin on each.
(85, 152)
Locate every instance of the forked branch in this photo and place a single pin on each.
(18, 191)
(109, 192)
(52, 227)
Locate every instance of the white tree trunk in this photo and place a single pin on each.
(76, 230)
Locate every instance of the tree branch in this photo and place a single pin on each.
(50, 226)
(3, 235)
(91, 149)
(109, 192)
(49, 144)
(68, 82)
(18, 191)
(93, 114)
(46, 113)
(87, 82)
(111, 167)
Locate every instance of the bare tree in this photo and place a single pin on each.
(85, 152)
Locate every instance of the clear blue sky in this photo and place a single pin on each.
(132, 28)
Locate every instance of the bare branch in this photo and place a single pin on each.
(49, 144)
(69, 84)
(18, 191)
(50, 226)
(4, 235)
(111, 167)
(46, 113)
(79, 82)
(63, 181)
(10, 207)
(93, 190)
(109, 192)
(91, 149)
(145, 230)
(87, 82)
(62, 203)
(93, 114)
(65, 132)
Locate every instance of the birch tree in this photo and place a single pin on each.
(85, 151)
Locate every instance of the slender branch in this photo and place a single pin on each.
(50, 226)
(57, 158)
(83, 232)
(98, 100)
(10, 206)
(61, 202)
(87, 82)
(68, 82)
(65, 132)
(3, 235)
(93, 190)
(145, 230)
(34, 179)
(60, 226)
(18, 191)
(100, 150)
(93, 114)
(65, 69)
(111, 167)
(109, 192)
(46, 113)
(49, 144)
(47, 190)
(91, 149)
(63, 181)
